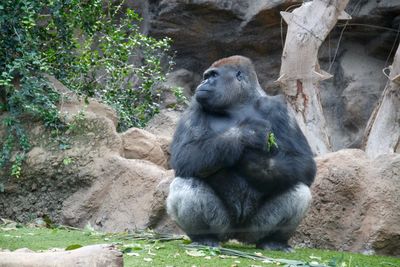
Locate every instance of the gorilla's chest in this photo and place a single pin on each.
(220, 124)
(223, 123)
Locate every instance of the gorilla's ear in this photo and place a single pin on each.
(239, 75)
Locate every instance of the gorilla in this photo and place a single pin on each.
(243, 167)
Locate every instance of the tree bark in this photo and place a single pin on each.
(88, 256)
(382, 135)
(300, 74)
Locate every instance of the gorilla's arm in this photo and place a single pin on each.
(277, 173)
(287, 164)
(196, 151)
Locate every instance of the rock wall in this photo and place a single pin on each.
(206, 30)
(108, 179)
(55, 168)
(355, 205)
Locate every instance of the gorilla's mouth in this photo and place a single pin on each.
(203, 93)
(203, 97)
(203, 90)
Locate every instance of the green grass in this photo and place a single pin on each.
(174, 253)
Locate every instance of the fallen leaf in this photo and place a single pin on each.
(133, 246)
(314, 263)
(267, 261)
(227, 257)
(72, 247)
(195, 253)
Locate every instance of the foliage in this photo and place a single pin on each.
(94, 47)
(271, 142)
(180, 96)
(109, 65)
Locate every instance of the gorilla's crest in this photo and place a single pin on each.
(236, 61)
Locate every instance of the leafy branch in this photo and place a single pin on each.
(96, 50)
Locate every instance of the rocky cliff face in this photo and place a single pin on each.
(206, 30)
(355, 204)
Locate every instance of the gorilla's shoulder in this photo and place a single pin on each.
(268, 104)
(193, 110)
(277, 99)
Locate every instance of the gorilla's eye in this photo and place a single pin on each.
(239, 75)
(209, 74)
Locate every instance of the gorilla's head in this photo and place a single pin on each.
(228, 82)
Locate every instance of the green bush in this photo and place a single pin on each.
(94, 47)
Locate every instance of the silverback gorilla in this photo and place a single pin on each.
(231, 183)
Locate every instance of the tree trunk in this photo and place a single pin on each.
(382, 135)
(90, 256)
(300, 74)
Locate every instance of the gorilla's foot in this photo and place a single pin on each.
(205, 240)
(274, 245)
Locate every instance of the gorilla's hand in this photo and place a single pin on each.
(255, 133)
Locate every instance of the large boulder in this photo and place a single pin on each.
(140, 144)
(163, 124)
(355, 205)
(159, 219)
(121, 198)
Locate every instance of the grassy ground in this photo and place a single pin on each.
(175, 253)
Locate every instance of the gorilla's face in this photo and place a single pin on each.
(220, 89)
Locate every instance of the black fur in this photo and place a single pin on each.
(222, 140)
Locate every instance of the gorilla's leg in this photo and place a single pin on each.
(197, 210)
(278, 218)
